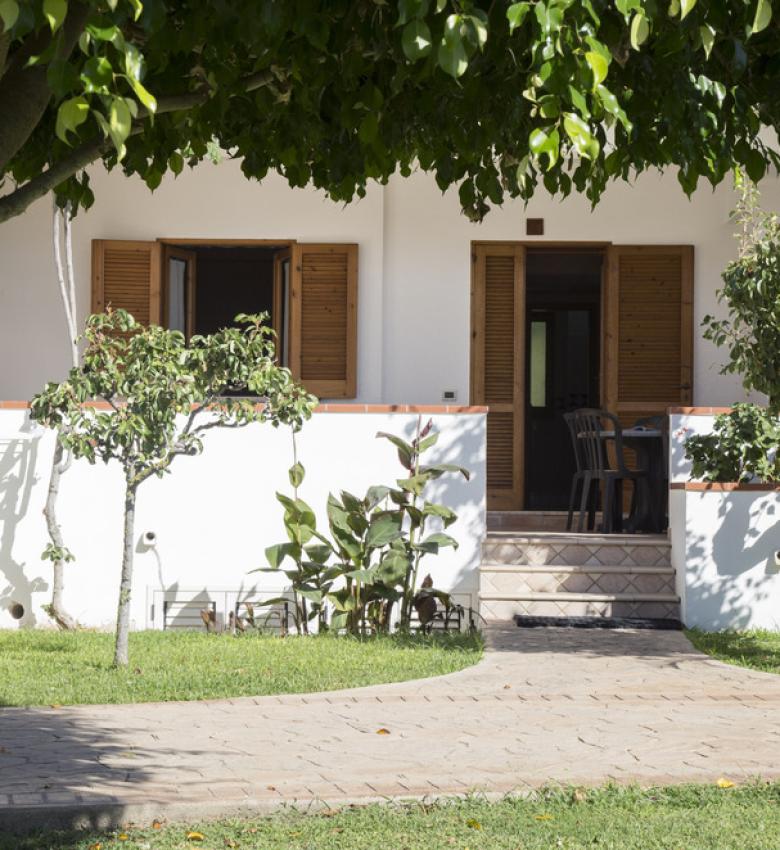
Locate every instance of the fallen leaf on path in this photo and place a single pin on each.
(724, 783)
(156, 824)
(383, 731)
(195, 836)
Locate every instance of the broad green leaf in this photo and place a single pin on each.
(54, 11)
(404, 449)
(545, 142)
(119, 124)
(441, 540)
(9, 13)
(599, 65)
(410, 9)
(686, 7)
(516, 14)
(416, 40)
(763, 16)
(640, 29)
(70, 115)
(610, 103)
(452, 58)
(176, 162)
(383, 529)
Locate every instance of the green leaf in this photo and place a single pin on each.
(383, 529)
(176, 162)
(686, 6)
(70, 115)
(640, 29)
(9, 13)
(516, 14)
(599, 66)
(545, 142)
(763, 16)
(119, 123)
(404, 449)
(147, 99)
(707, 34)
(416, 40)
(54, 11)
(409, 9)
(452, 57)
(296, 472)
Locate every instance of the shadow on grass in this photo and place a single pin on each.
(755, 649)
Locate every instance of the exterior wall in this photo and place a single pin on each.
(414, 276)
(724, 542)
(216, 513)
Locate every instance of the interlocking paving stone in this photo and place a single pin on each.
(544, 705)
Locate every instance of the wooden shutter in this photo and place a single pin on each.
(498, 365)
(323, 319)
(648, 340)
(126, 275)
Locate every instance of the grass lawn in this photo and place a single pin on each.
(757, 649)
(681, 818)
(45, 668)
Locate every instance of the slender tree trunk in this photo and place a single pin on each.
(126, 581)
(56, 610)
(67, 282)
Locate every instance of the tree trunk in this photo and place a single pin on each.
(126, 581)
(56, 610)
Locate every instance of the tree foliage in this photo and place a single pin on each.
(163, 395)
(494, 97)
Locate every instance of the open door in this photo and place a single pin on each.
(498, 365)
(648, 340)
(180, 269)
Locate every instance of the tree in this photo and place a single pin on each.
(494, 97)
(163, 395)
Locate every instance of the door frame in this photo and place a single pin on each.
(516, 500)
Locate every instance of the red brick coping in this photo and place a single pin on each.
(699, 411)
(725, 486)
(329, 407)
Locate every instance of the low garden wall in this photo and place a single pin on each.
(214, 515)
(725, 538)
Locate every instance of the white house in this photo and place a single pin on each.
(387, 308)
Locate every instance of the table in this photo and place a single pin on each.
(648, 509)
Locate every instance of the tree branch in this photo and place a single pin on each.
(25, 92)
(16, 202)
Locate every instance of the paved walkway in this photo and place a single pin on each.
(544, 705)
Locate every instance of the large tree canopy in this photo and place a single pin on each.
(491, 96)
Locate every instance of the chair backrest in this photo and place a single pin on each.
(589, 422)
(576, 444)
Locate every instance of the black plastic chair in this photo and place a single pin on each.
(589, 423)
(578, 478)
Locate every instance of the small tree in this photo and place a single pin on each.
(163, 395)
(751, 292)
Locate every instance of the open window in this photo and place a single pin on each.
(197, 287)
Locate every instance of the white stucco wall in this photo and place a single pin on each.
(724, 544)
(216, 513)
(414, 274)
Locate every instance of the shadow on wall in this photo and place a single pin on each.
(17, 476)
(730, 572)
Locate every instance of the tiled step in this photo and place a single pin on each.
(577, 575)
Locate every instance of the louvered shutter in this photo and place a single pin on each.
(323, 319)
(126, 275)
(498, 366)
(648, 353)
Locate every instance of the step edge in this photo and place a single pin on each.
(578, 597)
(572, 539)
(498, 567)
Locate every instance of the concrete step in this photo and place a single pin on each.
(644, 605)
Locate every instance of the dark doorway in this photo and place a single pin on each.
(563, 306)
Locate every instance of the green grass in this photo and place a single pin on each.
(45, 668)
(757, 649)
(679, 818)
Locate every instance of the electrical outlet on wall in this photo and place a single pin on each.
(449, 396)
